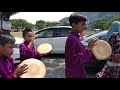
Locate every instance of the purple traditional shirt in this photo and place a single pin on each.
(26, 53)
(75, 57)
(7, 67)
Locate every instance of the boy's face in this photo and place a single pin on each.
(29, 36)
(7, 49)
(79, 27)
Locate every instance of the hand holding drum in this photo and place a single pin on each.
(102, 50)
(92, 43)
(36, 69)
(44, 48)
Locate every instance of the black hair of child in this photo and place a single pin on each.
(76, 18)
(6, 38)
(26, 31)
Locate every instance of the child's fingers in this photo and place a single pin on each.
(23, 66)
(26, 68)
(94, 40)
(95, 44)
(25, 71)
(17, 66)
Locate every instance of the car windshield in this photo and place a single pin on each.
(96, 35)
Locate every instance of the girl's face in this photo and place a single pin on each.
(6, 50)
(79, 27)
(29, 36)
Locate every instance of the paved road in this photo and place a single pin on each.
(56, 67)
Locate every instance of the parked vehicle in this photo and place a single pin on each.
(56, 36)
(16, 54)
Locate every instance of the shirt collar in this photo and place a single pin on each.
(26, 43)
(76, 34)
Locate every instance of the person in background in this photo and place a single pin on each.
(113, 28)
(112, 68)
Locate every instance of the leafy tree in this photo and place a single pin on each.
(99, 24)
(51, 24)
(108, 24)
(40, 24)
(20, 23)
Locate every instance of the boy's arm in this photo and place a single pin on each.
(10, 76)
(80, 57)
(13, 68)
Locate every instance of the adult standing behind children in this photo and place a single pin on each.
(112, 68)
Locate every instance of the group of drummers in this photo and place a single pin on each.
(76, 56)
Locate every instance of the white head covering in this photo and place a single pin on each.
(115, 27)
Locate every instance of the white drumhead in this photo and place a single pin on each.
(36, 69)
(102, 50)
(44, 48)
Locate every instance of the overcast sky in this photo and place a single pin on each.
(32, 17)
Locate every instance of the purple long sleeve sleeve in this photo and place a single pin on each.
(7, 67)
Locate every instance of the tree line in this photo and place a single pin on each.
(20, 24)
(104, 24)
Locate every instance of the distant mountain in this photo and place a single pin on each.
(93, 16)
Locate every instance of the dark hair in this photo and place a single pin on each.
(76, 18)
(26, 31)
(4, 39)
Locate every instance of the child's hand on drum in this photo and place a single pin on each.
(20, 70)
(92, 43)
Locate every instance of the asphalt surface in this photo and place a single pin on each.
(55, 65)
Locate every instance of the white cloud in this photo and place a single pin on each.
(32, 17)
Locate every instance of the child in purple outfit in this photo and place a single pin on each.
(27, 49)
(7, 68)
(75, 54)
